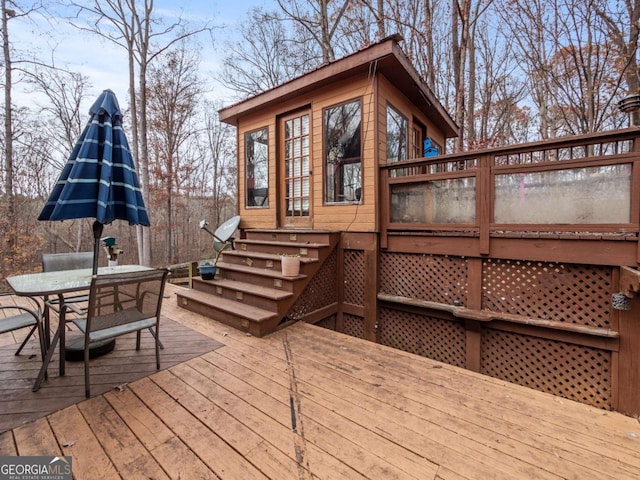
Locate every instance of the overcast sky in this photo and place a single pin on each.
(106, 64)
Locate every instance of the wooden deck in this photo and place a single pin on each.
(311, 403)
(18, 404)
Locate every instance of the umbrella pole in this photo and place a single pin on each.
(97, 233)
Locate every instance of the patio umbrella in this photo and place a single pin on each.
(99, 180)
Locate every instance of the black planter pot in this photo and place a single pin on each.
(207, 272)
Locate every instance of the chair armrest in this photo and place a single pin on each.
(54, 303)
(16, 307)
(38, 308)
(75, 309)
(14, 322)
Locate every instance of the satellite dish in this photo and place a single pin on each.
(225, 231)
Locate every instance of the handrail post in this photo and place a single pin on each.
(385, 208)
(635, 191)
(484, 201)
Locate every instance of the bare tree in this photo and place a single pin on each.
(465, 17)
(60, 123)
(144, 35)
(267, 57)
(64, 92)
(622, 23)
(497, 118)
(10, 210)
(174, 93)
(572, 66)
(319, 19)
(355, 14)
(10, 10)
(221, 176)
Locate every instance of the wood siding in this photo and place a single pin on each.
(374, 92)
(390, 95)
(325, 216)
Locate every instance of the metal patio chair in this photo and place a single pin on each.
(122, 303)
(55, 262)
(23, 317)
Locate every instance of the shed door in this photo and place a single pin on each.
(295, 163)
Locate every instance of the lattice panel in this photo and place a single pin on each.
(353, 325)
(354, 277)
(578, 294)
(571, 371)
(427, 277)
(435, 338)
(321, 290)
(328, 323)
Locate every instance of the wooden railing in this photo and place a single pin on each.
(576, 186)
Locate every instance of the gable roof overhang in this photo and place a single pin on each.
(385, 57)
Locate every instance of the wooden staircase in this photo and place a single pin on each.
(249, 292)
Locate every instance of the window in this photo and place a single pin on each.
(397, 135)
(256, 152)
(418, 134)
(297, 134)
(343, 158)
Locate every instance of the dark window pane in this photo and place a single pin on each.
(343, 175)
(257, 168)
(397, 133)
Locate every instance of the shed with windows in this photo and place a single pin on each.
(519, 262)
(308, 150)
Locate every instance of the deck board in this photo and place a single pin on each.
(36, 437)
(18, 404)
(360, 410)
(392, 424)
(129, 456)
(477, 418)
(89, 458)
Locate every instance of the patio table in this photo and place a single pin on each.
(58, 283)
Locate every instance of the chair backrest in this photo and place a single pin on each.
(54, 262)
(121, 299)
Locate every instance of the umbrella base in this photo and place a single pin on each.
(74, 349)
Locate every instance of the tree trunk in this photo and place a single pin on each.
(459, 31)
(471, 89)
(144, 156)
(382, 33)
(429, 28)
(10, 213)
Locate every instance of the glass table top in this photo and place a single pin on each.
(48, 283)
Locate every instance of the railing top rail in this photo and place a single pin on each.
(550, 144)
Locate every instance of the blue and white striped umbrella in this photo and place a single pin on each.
(99, 179)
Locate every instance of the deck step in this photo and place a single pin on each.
(257, 290)
(260, 259)
(304, 249)
(270, 299)
(258, 276)
(230, 312)
(249, 291)
(290, 235)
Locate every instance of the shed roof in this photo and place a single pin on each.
(385, 56)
